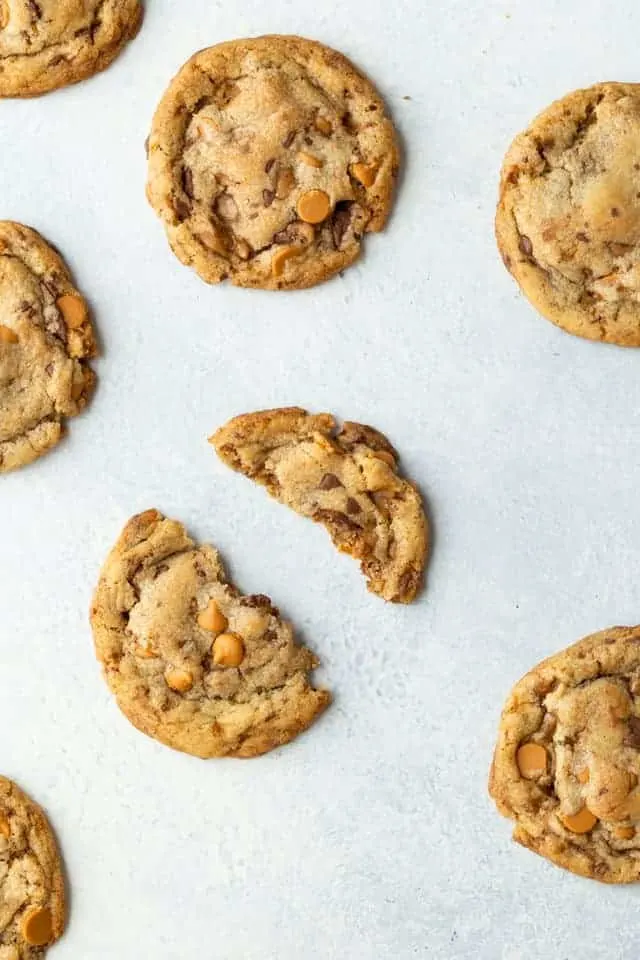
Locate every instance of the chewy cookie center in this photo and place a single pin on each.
(580, 218)
(192, 637)
(269, 159)
(37, 378)
(22, 883)
(591, 759)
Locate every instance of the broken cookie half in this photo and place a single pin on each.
(32, 903)
(345, 478)
(566, 767)
(193, 662)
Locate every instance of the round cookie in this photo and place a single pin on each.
(45, 340)
(191, 661)
(32, 907)
(46, 44)
(269, 159)
(568, 219)
(567, 763)
(344, 478)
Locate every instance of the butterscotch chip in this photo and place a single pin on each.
(580, 707)
(144, 651)
(581, 822)
(47, 44)
(244, 134)
(281, 257)
(37, 927)
(310, 160)
(73, 309)
(179, 680)
(624, 833)
(568, 219)
(323, 125)
(212, 618)
(366, 175)
(331, 475)
(314, 206)
(45, 377)
(32, 908)
(7, 335)
(152, 586)
(228, 650)
(532, 760)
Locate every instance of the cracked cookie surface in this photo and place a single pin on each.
(32, 907)
(46, 339)
(269, 159)
(567, 763)
(47, 44)
(568, 220)
(191, 661)
(346, 479)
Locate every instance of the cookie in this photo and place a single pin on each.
(191, 661)
(32, 907)
(567, 763)
(344, 478)
(46, 339)
(46, 44)
(568, 220)
(269, 159)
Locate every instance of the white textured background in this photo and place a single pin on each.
(371, 838)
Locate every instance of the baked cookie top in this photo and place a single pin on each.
(45, 340)
(32, 908)
(567, 762)
(191, 661)
(568, 220)
(46, 44)
(269, 159)
(345, 478)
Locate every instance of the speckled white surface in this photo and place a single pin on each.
(371, 838)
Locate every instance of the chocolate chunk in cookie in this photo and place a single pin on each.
(347, 479)
(32, 907)
(51, 43)
(46, 339)
(269, 159)
(568, 220)
(191, 661)
(566, 768)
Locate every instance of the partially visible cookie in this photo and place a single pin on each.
(46, 44)
(192, 662)
(568, 220)
(566, 768)
(345, 478)
(32, 907)
(46, 339)
(269, 159)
